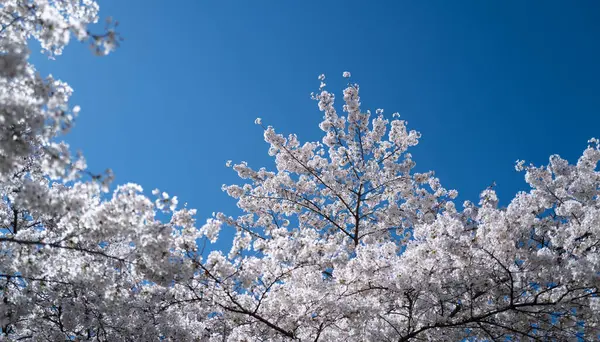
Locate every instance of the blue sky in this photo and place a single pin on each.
(485, 82)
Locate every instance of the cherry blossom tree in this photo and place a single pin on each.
(75, 263)
(342, 241)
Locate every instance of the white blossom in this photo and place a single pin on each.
(341, 241)
(211, 229)
(376, 252)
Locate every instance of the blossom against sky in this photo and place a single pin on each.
(486, 83)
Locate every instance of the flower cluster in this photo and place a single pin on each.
(341, 241)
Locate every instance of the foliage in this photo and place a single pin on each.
(341, 242)
(74, 264)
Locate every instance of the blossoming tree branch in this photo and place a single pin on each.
(342, 241)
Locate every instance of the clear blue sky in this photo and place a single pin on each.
(485, 82)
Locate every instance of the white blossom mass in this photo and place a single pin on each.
(341, 241)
